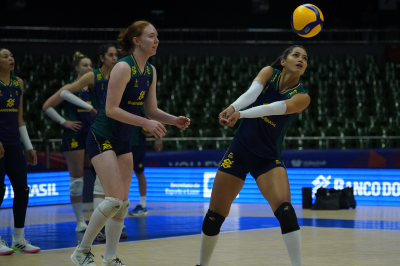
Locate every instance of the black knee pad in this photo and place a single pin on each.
(21, 196)
(212, 223)
(287, 218)
(2, 193)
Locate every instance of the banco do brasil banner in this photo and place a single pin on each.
(371, 186)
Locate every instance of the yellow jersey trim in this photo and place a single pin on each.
(134, 60)
(290, 89)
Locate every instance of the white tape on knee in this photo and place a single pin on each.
(110, 206)
(98, 188)
(76, 186)
(121, 214)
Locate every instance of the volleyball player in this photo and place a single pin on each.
(12, 159)
(138, 144)
(132, 83)
(275, 99)
(77, 122)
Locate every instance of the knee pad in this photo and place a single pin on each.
(287, 218)
(76, 186)
(110, 206)
(2, 193)
(98, 188)
(121, 214)
(21, 196)
(212, 223)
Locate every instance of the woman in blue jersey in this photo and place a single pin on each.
(132, 83)
(77, 124)
(12, 159)
(274, 100)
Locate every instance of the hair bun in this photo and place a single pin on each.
(78, 55)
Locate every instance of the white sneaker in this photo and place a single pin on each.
(81, 225)
(82, 257)
(112, 262)
(4, 249)
(23, 246)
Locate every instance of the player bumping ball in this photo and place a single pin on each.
(307, 20)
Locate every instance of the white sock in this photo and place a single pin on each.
(143, 201)
(293, 245)
(207, 247)
(96, 222)
(113, 233)
(77, 207)
(96, 202)
(18, 234)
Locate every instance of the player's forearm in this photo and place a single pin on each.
(275, 108)
(72, 98)
(249, 96)
(161, 116)
(121, 115)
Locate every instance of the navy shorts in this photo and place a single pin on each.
(75, 143)
(96, 144)
(138, 153)
(238, 161)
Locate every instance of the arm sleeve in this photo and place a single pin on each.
(249, 96)
(55, 116)
(68, 96)
(275, 108)
(25, 138)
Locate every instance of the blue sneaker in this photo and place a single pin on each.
(138, 211)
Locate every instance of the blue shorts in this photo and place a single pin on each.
(138, 153)
(239, 161)
(75, 143)
(96, 144)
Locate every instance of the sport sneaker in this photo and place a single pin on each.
(4, 249)
(82, 257)
(23, 246)
(112, 262)
(81, 225)
(138, 211)
(100, 237)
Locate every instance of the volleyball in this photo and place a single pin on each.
(307, 20)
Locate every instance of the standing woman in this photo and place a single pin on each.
(12, 159)
(132, 83)
(77, 124)
(276, 98)
(97, 83)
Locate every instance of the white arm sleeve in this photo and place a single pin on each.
(25, 138)
(275, 108)
(68, 96)
(55, 116)
(249, 96)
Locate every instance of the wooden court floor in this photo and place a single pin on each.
(365, 236)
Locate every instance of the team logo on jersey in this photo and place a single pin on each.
(230, 155)
(98, 76)
(277, 162)
(293, 92)
(136, 83)
(141, 165)
(134, 70)
(107, 145)
(16, 83)
(16, 92)
(10, 102)
(74, 144)
(148, 70)
(141, 95)
(265, 89)
(227, 163)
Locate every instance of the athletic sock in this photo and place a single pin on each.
(97, 221)
(113, 233)
(207, 247)
(143, 201)
(18, 234)
(77, 207)
(293, 245)
(96, 202)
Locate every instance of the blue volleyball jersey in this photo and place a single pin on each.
(139, 134)
(133, 98)
(9, 102)
(263, 136)
(76, 113)
(99, 89)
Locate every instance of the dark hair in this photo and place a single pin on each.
(125, 37)
(78, 56)
(277, 63)
(103, 50)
